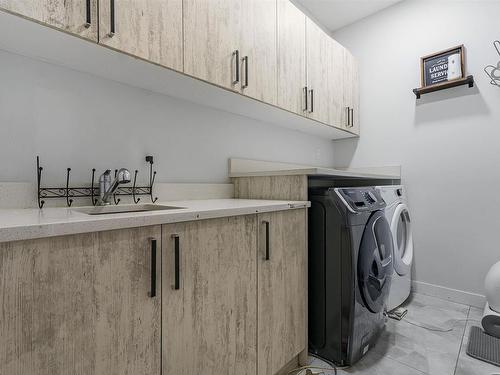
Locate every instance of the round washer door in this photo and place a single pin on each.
(403, 239)
(375, 262)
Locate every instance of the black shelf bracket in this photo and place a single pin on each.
(443, 86)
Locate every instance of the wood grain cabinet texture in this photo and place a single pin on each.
(319, 65)
(79, 305)
(74, 16)
(282, 289)
(149, 29)
(351, 91)
(291, 57)
(210, 321)
(212, 33)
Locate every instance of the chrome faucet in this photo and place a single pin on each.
(108, 187)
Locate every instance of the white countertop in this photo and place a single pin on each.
(23, 224)
(249, 168)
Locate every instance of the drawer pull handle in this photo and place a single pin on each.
(268, 255)
(88, 15)
(152, 292)
(306, 105)
(236, 58)
(177, 267)
(112, 18)
(245, 61)
(311, 92)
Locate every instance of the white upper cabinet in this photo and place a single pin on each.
(74, 16)
(148, 29)
(291, 57)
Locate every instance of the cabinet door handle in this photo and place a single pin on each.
(236, 58)
(88, 15)
(245, 61)
(352, 117)
(152, 292)
(311, 93)
(266, 224)
(306, 106)
(111, 18)
(177, 266)
(348, 121)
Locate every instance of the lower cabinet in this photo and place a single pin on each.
(282, 289)
(209, 314)
(79, 305)
(218, 296)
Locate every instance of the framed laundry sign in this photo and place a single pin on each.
(444, 66)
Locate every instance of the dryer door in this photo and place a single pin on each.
(403, 240)
(375, 262)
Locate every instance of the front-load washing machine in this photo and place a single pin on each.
(398, 215)
(350, 268)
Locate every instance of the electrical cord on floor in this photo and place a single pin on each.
(311, 370)
(437, 329)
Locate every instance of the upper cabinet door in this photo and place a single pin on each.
(73, 16)
(150, 29)
(318, 67)
(351, 92)
(335, 77)
(258, 46)
(209, 317)
(212, 34)
(291, 57)
(282, 289)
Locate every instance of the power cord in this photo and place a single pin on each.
(313, 370)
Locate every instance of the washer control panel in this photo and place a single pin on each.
(362, 199)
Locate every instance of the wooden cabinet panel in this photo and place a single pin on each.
(210, 322)
(128, 320)
(351, 91)
(291, 57)
(336, 76)
(212, 32)
(318, 66)
(47, 296)
(68, 15)
(282, 289)
(79, 305)
(258, 44)
(150, 29)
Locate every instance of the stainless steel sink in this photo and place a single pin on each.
(106, 210)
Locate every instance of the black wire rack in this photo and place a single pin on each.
(70, 193)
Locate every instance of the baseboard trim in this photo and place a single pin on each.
(453, 295)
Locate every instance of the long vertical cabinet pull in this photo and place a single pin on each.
(306, 105)
(245, 62)
(112, 18)
(311, 93)
(88, 14)
(152, 292)
(177, 261)
(267, 256)
(348, 124)
(352, 117)
(236, 58)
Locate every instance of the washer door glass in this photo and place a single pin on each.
(403, 240)
(375, 262)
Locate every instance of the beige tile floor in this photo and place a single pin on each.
(407, 349)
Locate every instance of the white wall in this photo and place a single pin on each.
(447, 142)
(72, 119)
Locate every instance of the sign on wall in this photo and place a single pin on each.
(444, 66)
